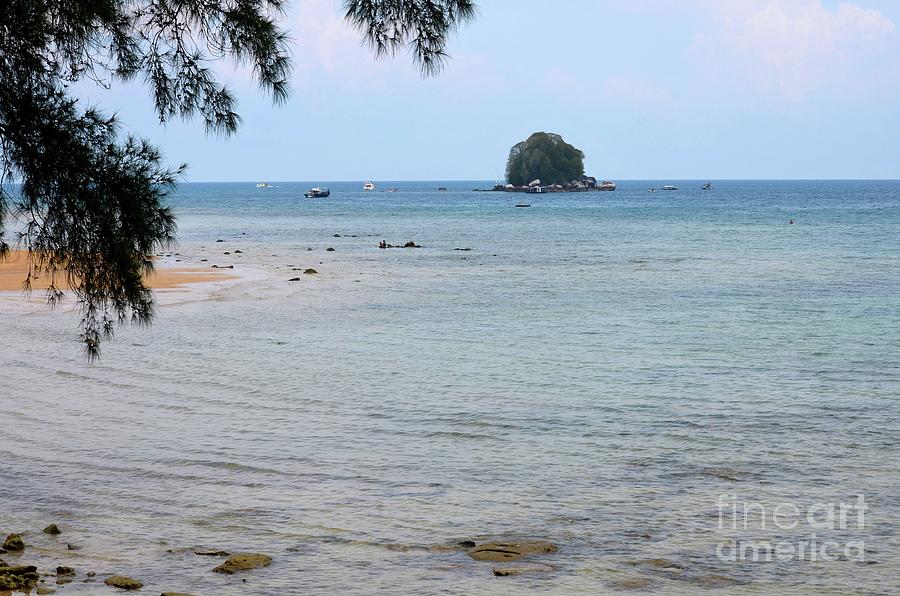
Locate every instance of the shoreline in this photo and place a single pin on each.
(14, 270)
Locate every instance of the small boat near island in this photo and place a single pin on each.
(607, 185)
(669, 187)
(369, 186)
(317, 193)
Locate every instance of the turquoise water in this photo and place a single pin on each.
(597, 370)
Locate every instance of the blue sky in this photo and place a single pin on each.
(659, 89)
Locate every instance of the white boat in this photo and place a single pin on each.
(263, 185)
(369, 186)
(669, 187)
(316, 193)
(391, 189)
(652, 189)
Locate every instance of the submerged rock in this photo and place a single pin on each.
(632, 583)
(411, 244)
(14, 543)
(659, 564)
(53, 530)
(329, 249)
(211, 552)
(243, 562)
(124, 582)
(510, 551)
(310, 271)
(294, 279)
(521, 570)
(42, 591)
(713, 581)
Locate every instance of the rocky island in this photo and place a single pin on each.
(546, 163)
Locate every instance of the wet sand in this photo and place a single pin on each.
(14, 269)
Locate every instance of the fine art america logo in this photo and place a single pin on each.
(840, 523)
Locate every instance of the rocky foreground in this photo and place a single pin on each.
(505, 558)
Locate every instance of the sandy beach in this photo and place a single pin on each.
(14, 269)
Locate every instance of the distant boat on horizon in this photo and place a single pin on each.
(317, 193)
(369, 186)
(391, 189)
(707, 186)
(651, 189)
(263, 185)
(669, 187)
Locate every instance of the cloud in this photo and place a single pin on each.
(795, 47)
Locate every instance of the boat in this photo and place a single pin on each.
(669, 187)
(651, 189)
(607, 185)
(523, 204)
(317, 193)
(392, 189)
(442, 189)
(369, 186)
(707, 186)
(263, 185)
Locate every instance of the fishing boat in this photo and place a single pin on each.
(369, 186)
(317, 193)
(523, 204)
(392, 189)
(263, 185)
(669, 187)
(607, 185)
(707, 186)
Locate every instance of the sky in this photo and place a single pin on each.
(648, 89)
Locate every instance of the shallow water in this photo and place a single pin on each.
(596, 371)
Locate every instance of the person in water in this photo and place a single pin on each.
(791, 222)
(383, 244)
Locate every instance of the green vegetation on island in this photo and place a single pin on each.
(545, 157)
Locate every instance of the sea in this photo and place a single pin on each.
(685, 392)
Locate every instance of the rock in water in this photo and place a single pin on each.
(634, 583)
(510, 551)
(210, 552)
(63, 570)
(14, 543)
(124, 582)
(243, 562)
(52, 529)
(42, 591)
(176, 594)
(660, 565)
(310, 271)
(18, 577)
(521, 570)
